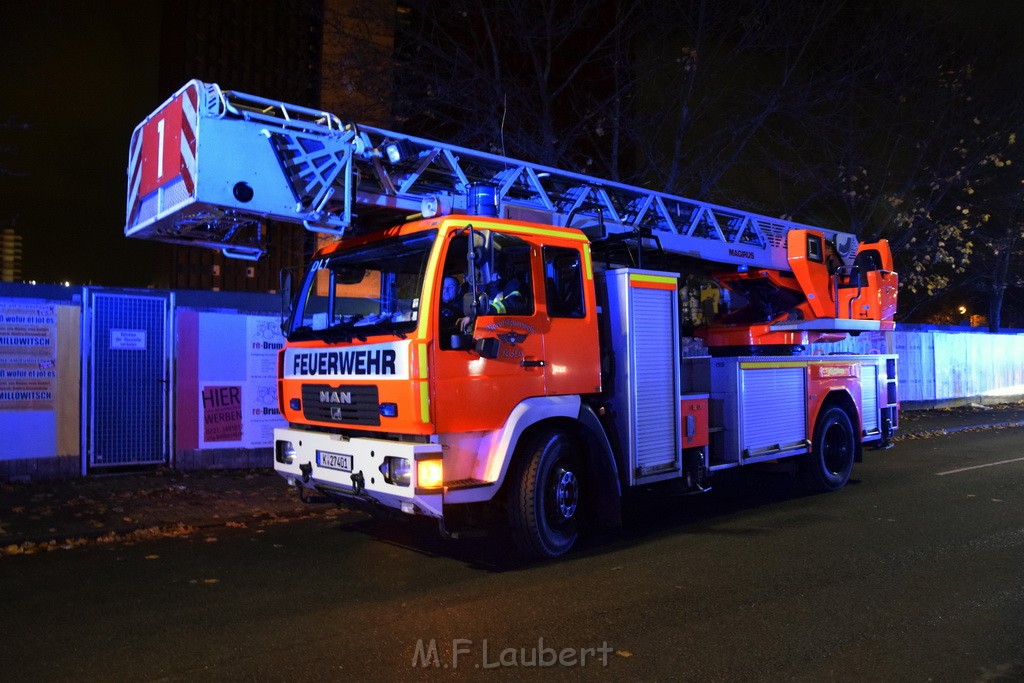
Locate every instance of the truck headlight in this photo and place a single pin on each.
(284, 452)
(397, 471)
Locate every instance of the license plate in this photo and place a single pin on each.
(334, 461)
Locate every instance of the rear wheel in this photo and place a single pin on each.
(829, 464)
(545, 502)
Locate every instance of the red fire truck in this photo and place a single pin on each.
(482, 340)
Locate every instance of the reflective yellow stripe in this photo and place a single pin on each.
(653, 279)
(424, 402)
(587, 267)
(782, 364)
(560, 233)
(424, 369)
(427, 294)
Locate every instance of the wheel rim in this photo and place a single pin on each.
(836, 449)
(563, 498)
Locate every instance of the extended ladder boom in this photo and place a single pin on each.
(209, 167)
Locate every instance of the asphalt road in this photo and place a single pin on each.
(914, 572)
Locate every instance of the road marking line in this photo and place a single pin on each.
(978, 467)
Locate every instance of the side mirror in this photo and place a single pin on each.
(469, 305)
(471, 308)
(285, 288)
(488, 347)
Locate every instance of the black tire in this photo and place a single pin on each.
(546, 498)
(829, 464)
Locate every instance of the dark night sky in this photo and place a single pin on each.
(82, 75)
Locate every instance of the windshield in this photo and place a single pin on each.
(368, 290)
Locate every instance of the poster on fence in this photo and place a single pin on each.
(222, 413)
(236, 392)
(28, 356)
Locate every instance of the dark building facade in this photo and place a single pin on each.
(10, 255)
(271, 48)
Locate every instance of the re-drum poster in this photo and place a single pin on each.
(227, 380)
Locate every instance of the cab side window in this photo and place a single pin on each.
(505, 276)
(563, 282)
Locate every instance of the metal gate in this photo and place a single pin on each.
(127, 379)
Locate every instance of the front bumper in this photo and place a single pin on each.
(357, 469)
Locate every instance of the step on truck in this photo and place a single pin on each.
(485, 341)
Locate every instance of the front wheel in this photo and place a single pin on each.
(545, 502)
(829, 464)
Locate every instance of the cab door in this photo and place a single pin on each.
(477, 393)
(571, 349)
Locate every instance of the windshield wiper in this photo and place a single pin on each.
(377, 328)
(378, 323)
(342, 332)
(303, 333)
(345, 332)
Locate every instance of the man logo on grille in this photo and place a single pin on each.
(336, 397)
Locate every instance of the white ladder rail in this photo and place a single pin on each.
(336, 171)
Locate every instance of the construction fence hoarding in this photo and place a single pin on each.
(223, 391)
(938, 365)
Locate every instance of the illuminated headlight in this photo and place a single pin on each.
(284, 451)
(394, 152)
(429, 474)
(397, 471)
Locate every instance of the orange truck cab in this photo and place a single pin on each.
(406, 406)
